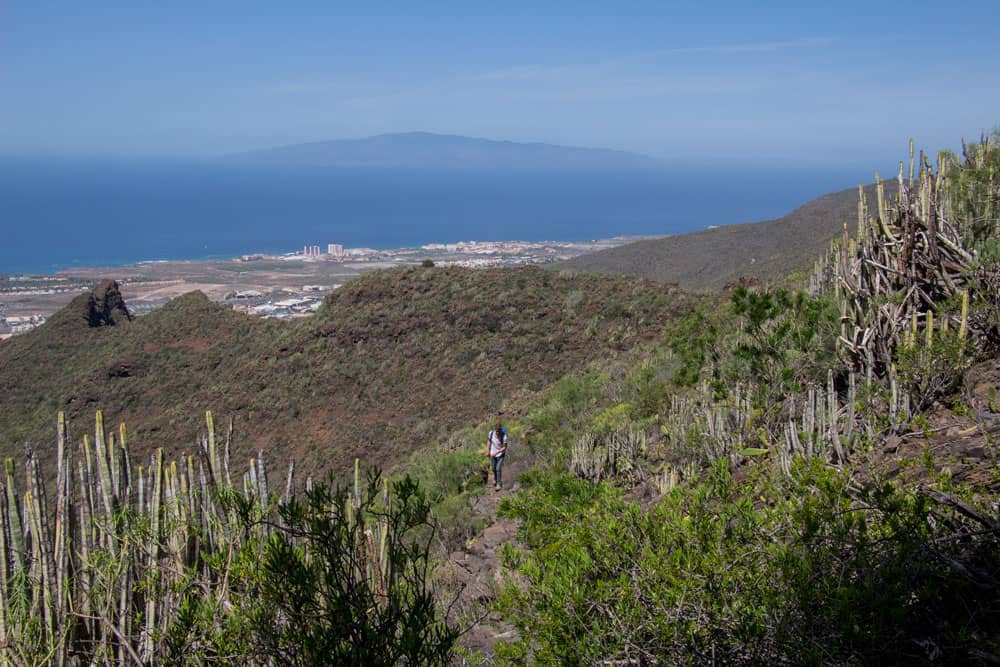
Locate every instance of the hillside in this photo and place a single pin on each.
(425, 149)
(776, 478)
(712, 258)
(390, 361)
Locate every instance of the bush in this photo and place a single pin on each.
(931, 372)
(789, 571)
(346, 580)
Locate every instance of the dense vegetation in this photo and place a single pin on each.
(174, 564)
(689, 512)
(772, 570)
(777, 477)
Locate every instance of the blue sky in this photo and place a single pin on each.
(751, 83)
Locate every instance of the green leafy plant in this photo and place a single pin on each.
(801, 569)
(932, 368)
(343, 593)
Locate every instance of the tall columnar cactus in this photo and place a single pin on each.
(964, 327)
(156, 475)
(15, 527)
(104, 467)
(124, 465)
(4, 574)
(213, 454)
(102, 575)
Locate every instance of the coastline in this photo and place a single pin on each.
(573, 247)
(268, 285)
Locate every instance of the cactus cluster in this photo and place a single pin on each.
(907, 258)
(613, 455)
(95, 573)
(821, 421)
(707, 429)
(893, 282)
(903, 285)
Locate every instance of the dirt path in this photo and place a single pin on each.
(475, 570)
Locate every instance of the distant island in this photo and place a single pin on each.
(429, 150)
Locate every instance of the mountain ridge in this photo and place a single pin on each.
(364, 375)
(711, 258)
(432, 150)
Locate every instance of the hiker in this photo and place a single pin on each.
(496, 447)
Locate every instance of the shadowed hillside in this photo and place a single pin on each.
(390, 361)
(711, 258)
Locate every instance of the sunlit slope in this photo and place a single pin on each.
(390, 361)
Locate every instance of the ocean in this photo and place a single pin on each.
(62, 214)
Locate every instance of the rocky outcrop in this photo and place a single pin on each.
(105, 306)
(102, 307)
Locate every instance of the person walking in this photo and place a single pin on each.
(496, 448)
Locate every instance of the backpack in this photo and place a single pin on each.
(503, 434)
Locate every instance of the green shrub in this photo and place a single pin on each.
(931, 372)
(694, 340)
(341, 582)
(798, 570)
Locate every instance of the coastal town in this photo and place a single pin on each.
(279, 286)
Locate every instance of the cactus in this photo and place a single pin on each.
(101, 587)
(124, 464)
(103, 467)
(289, 483)
(262, 494)
(613, 455)
(963, 328)
(5, 576)
(156, 475)
(357, 483)
(15, 527)
(213, 456)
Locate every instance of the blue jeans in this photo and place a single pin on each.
(496, 463)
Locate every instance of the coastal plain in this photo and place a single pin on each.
(255, 283)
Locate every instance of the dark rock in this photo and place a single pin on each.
(102, 307)
(123, 368)
(988, 418)
(748, 282)
(975, 452)
(106, 307)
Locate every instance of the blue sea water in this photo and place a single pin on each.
(62, 214)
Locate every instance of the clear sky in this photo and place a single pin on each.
(748, 82)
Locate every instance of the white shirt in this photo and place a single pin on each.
(496, 444)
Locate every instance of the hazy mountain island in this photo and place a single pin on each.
(429, 150)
